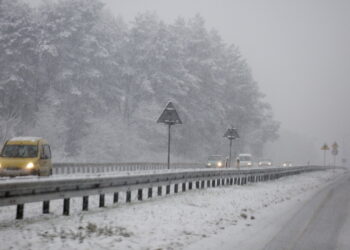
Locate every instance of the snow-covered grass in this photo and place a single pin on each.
(189, 219)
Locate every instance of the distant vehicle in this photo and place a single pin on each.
(265, 163)
(216, 161)
(25, 156)
(287, 164)
(245, 160)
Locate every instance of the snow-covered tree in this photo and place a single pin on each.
(72, 72)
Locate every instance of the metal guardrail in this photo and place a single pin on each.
(46, 189)
(71, 168)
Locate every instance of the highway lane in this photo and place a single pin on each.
(322, 223)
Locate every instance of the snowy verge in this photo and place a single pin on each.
(198, 219)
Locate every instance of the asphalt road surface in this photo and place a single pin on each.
(323, 223)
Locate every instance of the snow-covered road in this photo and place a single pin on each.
(200, 219)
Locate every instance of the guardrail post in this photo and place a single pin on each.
(231, 181)
(139, 194)
(184, 187)
(167, 191)
(202, 184)
(213, 183)
(85, 203)
(197, 184)
(223, 182)
(208, 183)
(150, 192)
(66, 206)
(190, 185)
(176, 188)
(115, 197)
(46, 207)
(128, 196)
(218, 182)
(20, 211)
(102, 200)
(159, 190)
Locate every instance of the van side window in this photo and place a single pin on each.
(47, 151)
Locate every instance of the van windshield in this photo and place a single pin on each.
(20, 151)
(215, 158)
(245, 158)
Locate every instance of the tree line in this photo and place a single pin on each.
(93, 84)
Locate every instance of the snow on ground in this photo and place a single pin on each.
(197, 219)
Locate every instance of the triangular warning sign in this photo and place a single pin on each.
(231, 133)
(169, 115)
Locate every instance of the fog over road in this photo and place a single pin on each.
(322, 223)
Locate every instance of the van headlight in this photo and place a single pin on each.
(249, 163)
(30, 165)
(219, 164)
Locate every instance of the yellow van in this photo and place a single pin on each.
(25, 156)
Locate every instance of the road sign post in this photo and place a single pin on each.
(169, 117)
(231, 134)
(324, 148)
(335, 152)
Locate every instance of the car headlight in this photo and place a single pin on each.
(249, 163)
(260, 163)
(209, 164)
(219, 164)
(270, 164)
(30, 165)
(284, 165)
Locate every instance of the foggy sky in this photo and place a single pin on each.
(299, 53)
